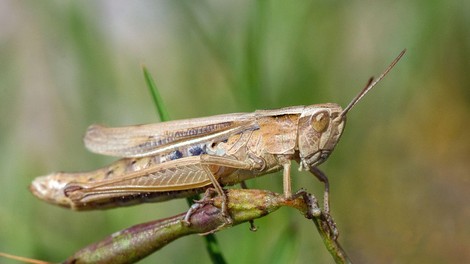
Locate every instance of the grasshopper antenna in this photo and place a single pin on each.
(371, 85)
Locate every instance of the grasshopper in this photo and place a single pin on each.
(184, 157)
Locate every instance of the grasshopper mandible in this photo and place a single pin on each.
(181, 158)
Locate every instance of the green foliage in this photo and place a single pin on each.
(398, 176)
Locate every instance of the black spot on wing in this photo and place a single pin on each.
(175, 155)
(197, 150)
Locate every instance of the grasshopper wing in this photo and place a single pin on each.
(151, 139)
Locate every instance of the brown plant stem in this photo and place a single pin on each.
(139, 241)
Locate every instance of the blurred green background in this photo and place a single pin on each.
(399, 177)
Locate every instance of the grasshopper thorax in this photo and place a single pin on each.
(320, 127)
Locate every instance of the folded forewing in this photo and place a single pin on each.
(151, 139)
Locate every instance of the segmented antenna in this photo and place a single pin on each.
(371, 85)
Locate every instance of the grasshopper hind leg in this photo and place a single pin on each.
(206, 199)
(209, 162)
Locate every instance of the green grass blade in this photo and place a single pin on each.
(157, 99)
(212, 245)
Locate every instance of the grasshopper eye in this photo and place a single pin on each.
(320, 121)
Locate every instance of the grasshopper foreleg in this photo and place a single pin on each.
(321, 176)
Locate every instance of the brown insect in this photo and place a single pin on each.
(180, 158)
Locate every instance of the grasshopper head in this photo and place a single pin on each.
(320, 127)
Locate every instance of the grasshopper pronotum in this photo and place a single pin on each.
(184, 157)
